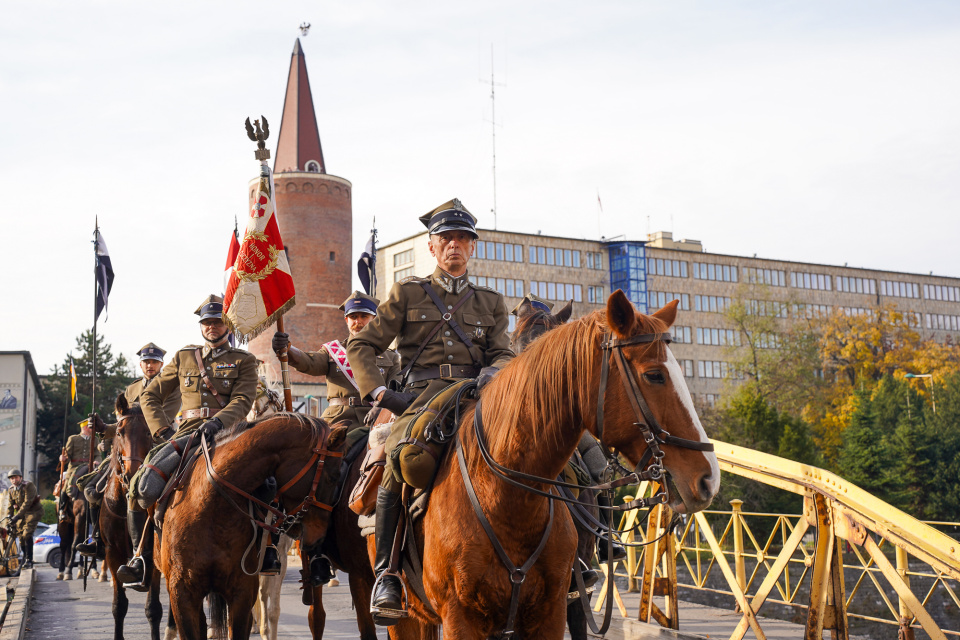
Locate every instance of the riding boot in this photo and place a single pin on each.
(619, 551)
(133, 571)
(590, 577)
(92, 547)
(271, 565)
(386, 603)
(28, 552)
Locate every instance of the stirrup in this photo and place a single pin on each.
(129, 569)
(384, 617)
(90, 547)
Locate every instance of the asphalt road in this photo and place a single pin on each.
(61, 610)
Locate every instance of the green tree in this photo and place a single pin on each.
(944, 430)
(863, 454)
(114, 373)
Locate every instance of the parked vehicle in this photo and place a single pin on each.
(46, 545)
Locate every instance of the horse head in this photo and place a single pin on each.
(132, 442)
(533, 323)
(634, 347)
(266, 403)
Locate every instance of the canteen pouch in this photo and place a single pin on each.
(363, 498)
(418, 453)
(157, 470)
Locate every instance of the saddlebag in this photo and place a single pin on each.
(157, 470)
(363, 497)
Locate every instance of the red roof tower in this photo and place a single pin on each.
(299, 147)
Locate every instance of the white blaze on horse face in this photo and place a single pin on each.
(686, 400)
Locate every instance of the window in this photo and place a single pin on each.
(817, 281)
(768, 308)
(551, 291)
(576, 258)
(665, 267)
(708, 271)
(711, 304)
(943, 322)
(595, 295)
(402, 258)
(500, 251)
(333, 256)
(401, 274)
(940, 292)
(687, 366)
(511, 322)
(594, 260)
(550, 256)
(808, 311)
(718, 337)
(501, 286)
(681, 335)
(481, 250)
(518, 288)
(897, 289)
(567, 258)
(541, 255)
(711, 399)
(518, 253)
(771, 277)
(856, 311)
(577, 293)
(510, 288)
(856, 285)
(533, 254)
(658, 299)
(508, 252)
(715, 369)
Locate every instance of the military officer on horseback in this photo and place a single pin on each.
(447, 329)
(24, 511)
(151, 361)
(217, 384)
(76, 454)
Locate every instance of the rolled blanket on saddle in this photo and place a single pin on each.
(157, 470)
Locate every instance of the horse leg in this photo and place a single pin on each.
(270, 599)
(120, 605)
(153, 607)
(239, 614)
(317, 616)
(171, 631)
(186, 609)
(360, 590)
(576, 621)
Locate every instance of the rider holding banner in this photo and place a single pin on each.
(447, 329)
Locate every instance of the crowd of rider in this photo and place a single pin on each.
(445, 329)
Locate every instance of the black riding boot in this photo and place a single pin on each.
(27, 552)
(271, 559)
(133, 571)
(387, 601)
(92, 547)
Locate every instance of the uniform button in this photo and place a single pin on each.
(204, 394)
(449, 306)
(478, 322)
(208, 368)
(450, 357)
(204, 404)
(446, 333)
(449, 343)
(423, 317)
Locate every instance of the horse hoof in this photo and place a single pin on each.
(102, 577)
(333, 583)
(60, 576)
(94, 574)
(209, 632)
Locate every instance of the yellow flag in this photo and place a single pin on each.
(73, 383)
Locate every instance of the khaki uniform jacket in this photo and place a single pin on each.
(78, 452)
(232, 372)
(408, 314)
(321, 363)
(23, 500)
(171, 407)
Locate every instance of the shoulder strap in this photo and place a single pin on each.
(339, 356)
(446, 316)
(206, 379)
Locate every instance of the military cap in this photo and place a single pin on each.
(14, 472)
(151, 351)
(450, 216)
(359, 302)
(212, 307)
(536, 302)
(84, 423)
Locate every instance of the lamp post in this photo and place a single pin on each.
(933, 395)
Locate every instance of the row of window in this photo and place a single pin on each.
(943, 322)
(711, 304)
(595, 295)
(594, 259)
(657, 299)
(802, 280)
(718, 337)
(856, 285)
(941, 292)
(557, 290)
(402, 258)
(504, 252)
(505, 286)
(767, 308)
(771, 277)
(716, 369)
(708, 271)
(403, 273)
(554, 257)
(898, 289)
(661, 267)
(681, 335)
(856, 311)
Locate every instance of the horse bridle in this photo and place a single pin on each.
(120, 459)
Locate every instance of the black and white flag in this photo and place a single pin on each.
(367, 265)
(104, 273)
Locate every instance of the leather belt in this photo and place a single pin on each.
(444, 371)
(206, 412)
(347, 402)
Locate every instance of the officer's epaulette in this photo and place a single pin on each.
(482, 288)
(191, 347)
(413, 279)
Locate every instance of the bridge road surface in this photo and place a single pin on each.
(61, 610)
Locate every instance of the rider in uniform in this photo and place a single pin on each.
(343, 394)
(217, 384)
(446, 329)
(151, 361)
(25, 511)
(76, 453)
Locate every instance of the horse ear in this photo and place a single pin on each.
(621, 315)
(667, 314)
(564, 314)
(122, 404)
(526, 308)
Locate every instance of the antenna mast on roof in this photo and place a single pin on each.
(304, 28)
(493, 127)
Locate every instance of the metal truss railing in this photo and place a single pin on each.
(846, 549)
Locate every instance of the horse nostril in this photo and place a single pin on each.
(706, 487)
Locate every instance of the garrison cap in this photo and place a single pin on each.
(450, 216)
(536, 302)
(212, 307)
(359, 302)
(151, 351)
(14, 472)
(84, 423)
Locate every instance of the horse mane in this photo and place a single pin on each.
(550, 381)
(316, 425)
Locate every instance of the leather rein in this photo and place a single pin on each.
(283, 521)
(650, 467)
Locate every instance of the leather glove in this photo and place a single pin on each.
(397, 401)
(371, 416)
(103, 447)
(486, 375)
(15, 519)
(210, 427)
(96, 423)
(280, 342)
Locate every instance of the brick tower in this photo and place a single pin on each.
(316, 221)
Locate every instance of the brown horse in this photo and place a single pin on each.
(131, 445)
(72, 528)
(209, 539)
(533, 414)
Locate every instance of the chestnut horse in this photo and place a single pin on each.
(131, 445)
(72, 529)
(208, 533)
(533, 414)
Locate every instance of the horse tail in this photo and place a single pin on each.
(218, 615)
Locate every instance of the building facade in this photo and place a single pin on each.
(660, 269)
(19, 403)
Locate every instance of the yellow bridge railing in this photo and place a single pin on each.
(802, 560)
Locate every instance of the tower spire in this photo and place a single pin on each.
(298, 145)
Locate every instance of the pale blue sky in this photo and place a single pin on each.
(813, 131)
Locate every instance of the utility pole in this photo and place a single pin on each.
(493, 128)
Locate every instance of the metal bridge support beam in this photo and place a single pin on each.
(906, 631)
(827, 600)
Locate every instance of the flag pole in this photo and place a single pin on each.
(373, 274)
(66, 410)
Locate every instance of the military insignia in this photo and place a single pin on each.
(458, 205)
(226, 382)
(225, 365)
(478, 332)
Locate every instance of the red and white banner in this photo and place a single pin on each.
(232, 254)
(260, 288)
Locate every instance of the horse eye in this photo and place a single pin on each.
(654, 377)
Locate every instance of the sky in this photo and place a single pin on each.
(816, 131)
